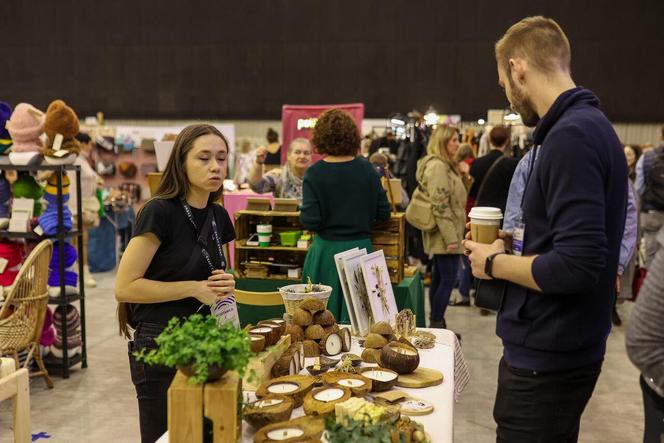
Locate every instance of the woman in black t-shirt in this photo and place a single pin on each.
(163, 274)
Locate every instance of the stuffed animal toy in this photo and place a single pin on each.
(67, 317)
(26, 186)
(61, 119)
(48, 331)
(71, 275)
(25, 127)
(49, 219)
(5, 138)
(12, 252)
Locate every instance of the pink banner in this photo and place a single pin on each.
(299, 120)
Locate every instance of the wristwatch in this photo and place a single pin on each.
(488, 264)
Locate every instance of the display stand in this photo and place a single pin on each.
(64, 299)
(387, 235)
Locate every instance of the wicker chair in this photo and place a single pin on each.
(22, 314)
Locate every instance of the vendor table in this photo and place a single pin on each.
(409, 294)
(438, 424)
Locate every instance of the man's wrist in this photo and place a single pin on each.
(489, 263)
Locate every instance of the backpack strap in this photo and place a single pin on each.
(488, 174)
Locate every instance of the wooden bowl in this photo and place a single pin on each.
(382, 379)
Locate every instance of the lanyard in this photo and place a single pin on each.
(215, 234)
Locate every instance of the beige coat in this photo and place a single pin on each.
(448, 193)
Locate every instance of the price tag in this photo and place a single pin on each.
(3, 264)
(61, 153)
(57, 142)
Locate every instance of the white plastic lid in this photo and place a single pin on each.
(486, 213)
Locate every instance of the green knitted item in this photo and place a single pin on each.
(27, 187)
(5, 145)
(102, 211)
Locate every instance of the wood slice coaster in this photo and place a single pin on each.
(420, 378)
(407, 405)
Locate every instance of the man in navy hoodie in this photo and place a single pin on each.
(556, 312)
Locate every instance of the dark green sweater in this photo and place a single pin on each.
(340, 201)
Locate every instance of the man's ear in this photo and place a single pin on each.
(518, 69)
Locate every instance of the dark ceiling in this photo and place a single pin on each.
(244, 60)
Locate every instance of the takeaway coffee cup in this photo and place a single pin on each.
(484, 224)
(264, 240)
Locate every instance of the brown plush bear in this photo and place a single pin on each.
(61, 119)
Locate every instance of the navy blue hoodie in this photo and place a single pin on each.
(574, 215)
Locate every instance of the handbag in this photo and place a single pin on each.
(419, 213)
(490, 293)
(640, 273)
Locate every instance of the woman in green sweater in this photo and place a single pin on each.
(341, 197)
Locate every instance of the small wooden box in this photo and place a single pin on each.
(220, 401)
(258, 204)
(262, 363)
(285, 204)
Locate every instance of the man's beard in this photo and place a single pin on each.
(523, 105)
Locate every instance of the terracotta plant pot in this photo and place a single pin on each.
(215, 372)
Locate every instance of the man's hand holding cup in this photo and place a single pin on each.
(483, 238)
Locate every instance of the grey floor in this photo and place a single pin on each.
(98, 404)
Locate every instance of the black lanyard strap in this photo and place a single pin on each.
(203, 235)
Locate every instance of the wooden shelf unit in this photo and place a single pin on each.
(390, 236)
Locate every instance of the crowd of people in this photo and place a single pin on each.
(574, 203)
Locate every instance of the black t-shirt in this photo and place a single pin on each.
(273, 159)
(167, 220)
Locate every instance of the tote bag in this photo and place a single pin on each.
(419, 213)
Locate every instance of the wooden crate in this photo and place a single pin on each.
(262, 363)
(245, 226)
(220, 401)
(390, 236)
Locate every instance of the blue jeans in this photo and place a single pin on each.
(443, 278)
(465, 277)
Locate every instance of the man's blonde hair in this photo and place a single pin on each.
(540, 41)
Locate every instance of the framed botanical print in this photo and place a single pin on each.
(338, 261)
(378, 287)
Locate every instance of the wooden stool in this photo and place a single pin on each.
(14, 385)
(219, 401)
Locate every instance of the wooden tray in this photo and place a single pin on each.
(420, 378)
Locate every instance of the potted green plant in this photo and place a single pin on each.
(201, 348)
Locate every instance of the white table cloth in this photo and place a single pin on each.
(438, 424)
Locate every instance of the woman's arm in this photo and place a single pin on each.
(132, 287)
(256, 172)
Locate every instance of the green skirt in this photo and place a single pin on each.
(319, 265)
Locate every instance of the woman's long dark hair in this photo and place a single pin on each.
(175, 184)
